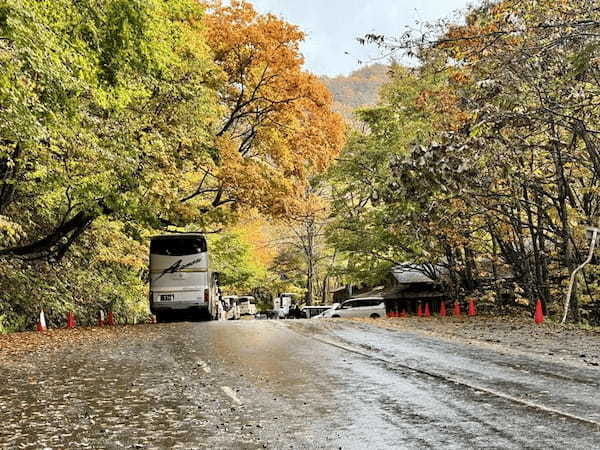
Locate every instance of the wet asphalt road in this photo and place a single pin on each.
(294, 384)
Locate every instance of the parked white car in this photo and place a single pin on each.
(373, 307)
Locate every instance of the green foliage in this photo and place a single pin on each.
(232, 258)
(105, 122)
(378, 199)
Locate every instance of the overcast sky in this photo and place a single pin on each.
(332, 26)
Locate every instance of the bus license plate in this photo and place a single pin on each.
(167, 297)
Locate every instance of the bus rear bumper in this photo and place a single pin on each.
(162, 307)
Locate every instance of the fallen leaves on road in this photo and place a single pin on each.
(18, 344)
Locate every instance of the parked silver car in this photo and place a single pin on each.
(373, 307)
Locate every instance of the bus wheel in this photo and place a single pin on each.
(201, 315)
(161, 317)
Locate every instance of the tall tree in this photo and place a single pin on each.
(105, 112)
(277, 125)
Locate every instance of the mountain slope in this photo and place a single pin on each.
(359, 89)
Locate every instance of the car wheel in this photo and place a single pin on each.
(335, 317)
(374, 316)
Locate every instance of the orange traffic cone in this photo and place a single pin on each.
(472, 308)
(419, 311)
(443, 309)
(41, 325)
(539, 314)
(427, 312)
(456, 311)
(110, 322)
(70, 320)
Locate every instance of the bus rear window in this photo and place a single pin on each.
(177, 247)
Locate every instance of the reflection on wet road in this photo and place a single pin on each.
(294, 384)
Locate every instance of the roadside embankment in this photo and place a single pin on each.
(511, 335)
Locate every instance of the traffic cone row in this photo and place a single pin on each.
(426, 312)
(456, 312)
(41, 323)
(397, 314)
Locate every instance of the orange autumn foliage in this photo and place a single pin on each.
(278, 126)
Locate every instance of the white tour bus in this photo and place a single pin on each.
(180, 277)
(247, 305)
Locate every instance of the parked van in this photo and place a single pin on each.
(282, 304)
(373, 307)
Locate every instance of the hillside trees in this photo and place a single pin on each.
(357, 90)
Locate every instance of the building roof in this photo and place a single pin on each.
(399, 293)
(416, 273)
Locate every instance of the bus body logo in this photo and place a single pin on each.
(177, 267)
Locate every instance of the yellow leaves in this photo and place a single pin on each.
(10, 232)
(257, 233)
(444, 103)
(460, 77)
(114, 247)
